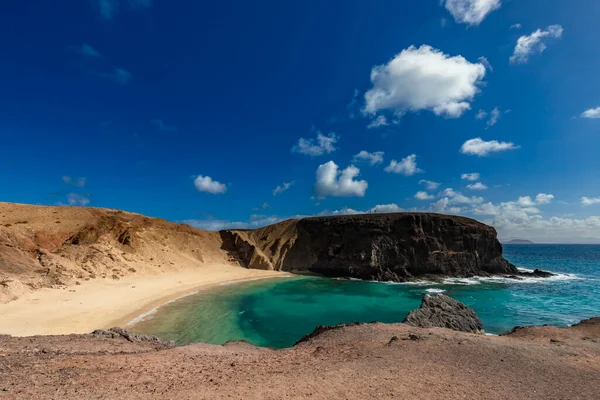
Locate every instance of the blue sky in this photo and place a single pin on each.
(197, 111)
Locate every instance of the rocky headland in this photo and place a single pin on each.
(383, 247)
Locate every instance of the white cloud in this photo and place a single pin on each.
(378, 209)
(424, 196)
(443, 206)
(324, 145)
(516, 26)
(79, 182)
(471, 12)
(458, 198)
(482, 114)
(494, 116)
(543, 198)
(592, 113)
(332, 182)
(486, 63)
(372, 158)
(473, 176)
(162, 126)
(481, 148)
(282, 188)
(74, 199)
(215, 224)
(521, 219)
(534, 44)
(406, 167)
(424, 78)
(477, 186)
(208, 185)
(430, 185)
(588, 201)
(386, 209)
(378, 122)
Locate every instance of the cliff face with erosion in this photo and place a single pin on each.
(61, 246)
(387, 247)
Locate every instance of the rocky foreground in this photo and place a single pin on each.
(350, 362)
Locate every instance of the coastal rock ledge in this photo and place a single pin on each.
(441, 311)
(384, 247)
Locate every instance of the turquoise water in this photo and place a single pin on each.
(278, 312)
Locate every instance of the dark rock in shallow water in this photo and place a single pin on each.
(537, 273)
(441, 311)
(383, 247)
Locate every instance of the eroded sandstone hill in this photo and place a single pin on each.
(56, 246)
(391, 247)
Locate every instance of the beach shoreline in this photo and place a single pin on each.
(103, 303)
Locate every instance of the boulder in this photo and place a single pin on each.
(441, 311)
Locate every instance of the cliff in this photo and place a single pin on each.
(387, 247)
(61, 246)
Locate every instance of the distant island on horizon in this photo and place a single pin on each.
(518, 241)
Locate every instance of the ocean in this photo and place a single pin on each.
(277, 312)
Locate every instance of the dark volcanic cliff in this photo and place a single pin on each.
(388, 247)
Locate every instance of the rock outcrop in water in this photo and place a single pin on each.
(384, 247)
(441, 311)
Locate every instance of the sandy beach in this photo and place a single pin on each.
(104, 303)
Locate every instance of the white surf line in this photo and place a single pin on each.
(145, 315)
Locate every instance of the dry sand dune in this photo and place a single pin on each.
(74, 269)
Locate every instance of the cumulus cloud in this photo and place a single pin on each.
(482, 114)
(381, 120)
(332, 182)
(282, 188)
(473, 176)
(424, 78)
(208, 185)
(471, 12)
(310, 147)
(378, 209)
(477, 186)
(215, 224)
(424, 196)
(522, 218)
(592, 113)
(534, 43)
(406, 167)
(516, 26)
(430, 185)
(481, 148)
(74, 199)
(443, 206)
(79, 182)
(458, 198)
(543, 198)
(371, 158)
(588, 201)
